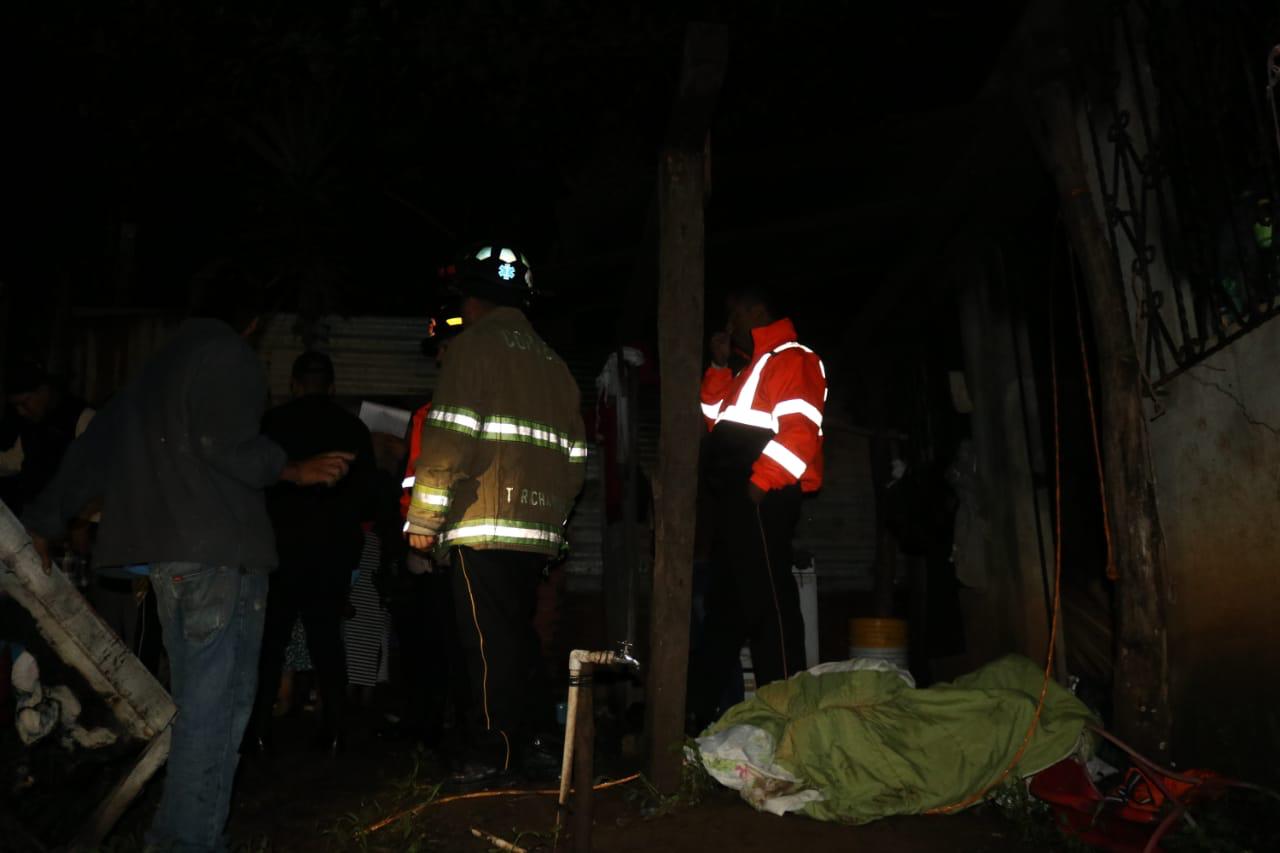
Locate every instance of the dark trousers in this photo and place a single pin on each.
(430, 664)
(319, 597)
(752, 596)
(495, 595)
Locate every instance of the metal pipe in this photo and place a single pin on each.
(584, 737)
(578, 659)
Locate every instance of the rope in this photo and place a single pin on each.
(768, 565)
(483, 795)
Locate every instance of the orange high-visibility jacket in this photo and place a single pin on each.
(411, 466)
(783, 390)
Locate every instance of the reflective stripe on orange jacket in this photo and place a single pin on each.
(783, 390)
(415, 448)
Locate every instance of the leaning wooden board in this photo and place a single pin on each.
(79, 636)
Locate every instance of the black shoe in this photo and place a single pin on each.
(541, 759)
(330, 743)
(477, 775)
(260, 744)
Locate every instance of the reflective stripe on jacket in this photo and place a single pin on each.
(784, 391)
(503, 446)
(411, 465)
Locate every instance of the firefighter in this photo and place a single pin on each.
(503, 458)
(763, 453)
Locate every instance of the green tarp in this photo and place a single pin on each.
(856, 746)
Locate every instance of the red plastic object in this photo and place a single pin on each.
(1082, 811)
(1124, 820)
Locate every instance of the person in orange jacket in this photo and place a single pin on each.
(424, 613)
(443, 329)
(763, 453)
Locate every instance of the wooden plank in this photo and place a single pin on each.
(681, 266)
(123, 792)
(80, 637)
(1141, 688)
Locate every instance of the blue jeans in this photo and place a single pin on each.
(212, 618)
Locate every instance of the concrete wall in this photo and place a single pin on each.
(1215, 447)
(1216, 457)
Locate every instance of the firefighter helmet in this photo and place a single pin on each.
(496, 272)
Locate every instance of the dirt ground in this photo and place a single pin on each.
(301, 801)
(305, 803)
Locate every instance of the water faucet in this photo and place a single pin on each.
(624, 655)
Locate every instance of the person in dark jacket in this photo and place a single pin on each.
(319, 535)
(181, 466)
(41, 420)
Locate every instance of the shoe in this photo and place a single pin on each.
(541, 759)
(326, 742)
(477, 775)
(257, 741)
(262, 746)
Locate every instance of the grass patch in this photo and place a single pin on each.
(695, 785)
(349, 832)
(1032, 819)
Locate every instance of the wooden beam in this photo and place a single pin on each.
(706, 55)
(1141, 688)
(124, 791)
(82, 640)
(680, 332)
(681, 265)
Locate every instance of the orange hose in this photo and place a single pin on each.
(484, 795)
(1057, 588)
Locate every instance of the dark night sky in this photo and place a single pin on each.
(344, 149)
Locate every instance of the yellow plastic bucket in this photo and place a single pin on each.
(882, 639)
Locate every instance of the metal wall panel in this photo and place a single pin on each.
(373, 356)
(838, 525)
(585, 565)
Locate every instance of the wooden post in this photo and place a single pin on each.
(584, 737)
(1141, 689)
(681, 190)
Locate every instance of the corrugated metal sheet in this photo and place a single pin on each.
(584, 370)
(585, 565)
(838, 525)
(111, 348)
(373, 356)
